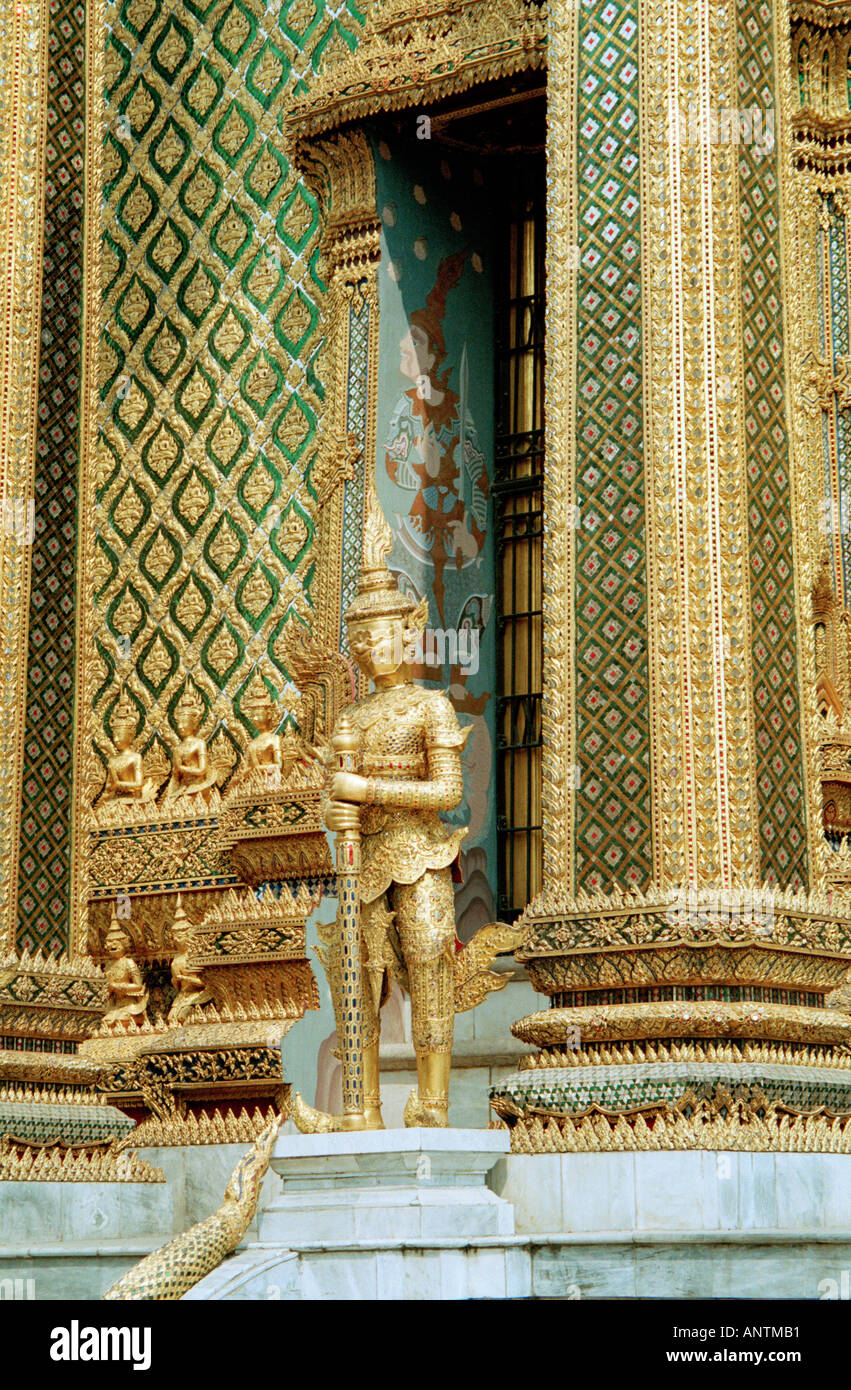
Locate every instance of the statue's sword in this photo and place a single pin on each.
(345, 743)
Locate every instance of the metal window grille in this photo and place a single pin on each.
(518, 515)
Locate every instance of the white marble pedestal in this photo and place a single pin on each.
(399, 1184)
(385, 1214)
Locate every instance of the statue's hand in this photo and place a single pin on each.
(342, 815)
(347, 786)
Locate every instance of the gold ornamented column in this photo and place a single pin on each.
(683, 936)
(23, 133)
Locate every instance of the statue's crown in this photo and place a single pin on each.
(378, 594)
(257, 695)
(125, 711)
(190, 700)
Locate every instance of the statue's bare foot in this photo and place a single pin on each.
(426, 1114)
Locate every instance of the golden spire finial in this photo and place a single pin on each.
(378, 593)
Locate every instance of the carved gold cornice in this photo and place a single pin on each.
(404, 60)
(50, 997)
(823, 14)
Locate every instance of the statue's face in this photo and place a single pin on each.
(186, 721)
(123, 731)
(115, 942)
(261, 717)
(378, 645)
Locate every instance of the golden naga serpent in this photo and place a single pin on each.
(171, 1271)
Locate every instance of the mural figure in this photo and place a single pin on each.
(432, 449)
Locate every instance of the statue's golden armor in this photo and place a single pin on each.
(408, 753)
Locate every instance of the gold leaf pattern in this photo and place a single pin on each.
(108, 361)
(169, 150)
(257, 594)
(157, 662)
(171, 50)
(160, 557)
(225, 547)
(258, 487)
(266, 172)
(235, 29)
(165, 350)
(292, 536)
(293, 429)
(204, 91)
(140, 107)
(228, 335)
(129, 510)
(104, 465)
(263, 279)
(226, 439)
(199, 294)
(168, 249)
(196, 392)
(110, 264)
(298, 219)
(199, 192)
(260, 382)
(134, 305)
(268, 72)
(111, 162)
(140, 11)
(296, 321)
(100, 568)
(231, 233)
(128, 614)
(137, 208)
(191, 607)
(223, 651)
(112, 66)
(233, 133)
(200, 117)
(194, 499)
(131, 409)
(163, 451)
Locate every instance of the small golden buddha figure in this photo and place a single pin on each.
(190, 987)
(264, 753)
(193, 773)
(127, 993)
(125, 778)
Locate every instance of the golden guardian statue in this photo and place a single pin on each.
(408, 752)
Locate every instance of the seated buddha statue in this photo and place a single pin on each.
(263, 755)
(128, 997)
(125, 778)
(193, 773)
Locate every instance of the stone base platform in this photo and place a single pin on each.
(563, 1226)
(386, 1214)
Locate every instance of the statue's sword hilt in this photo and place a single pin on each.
(346, 745)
